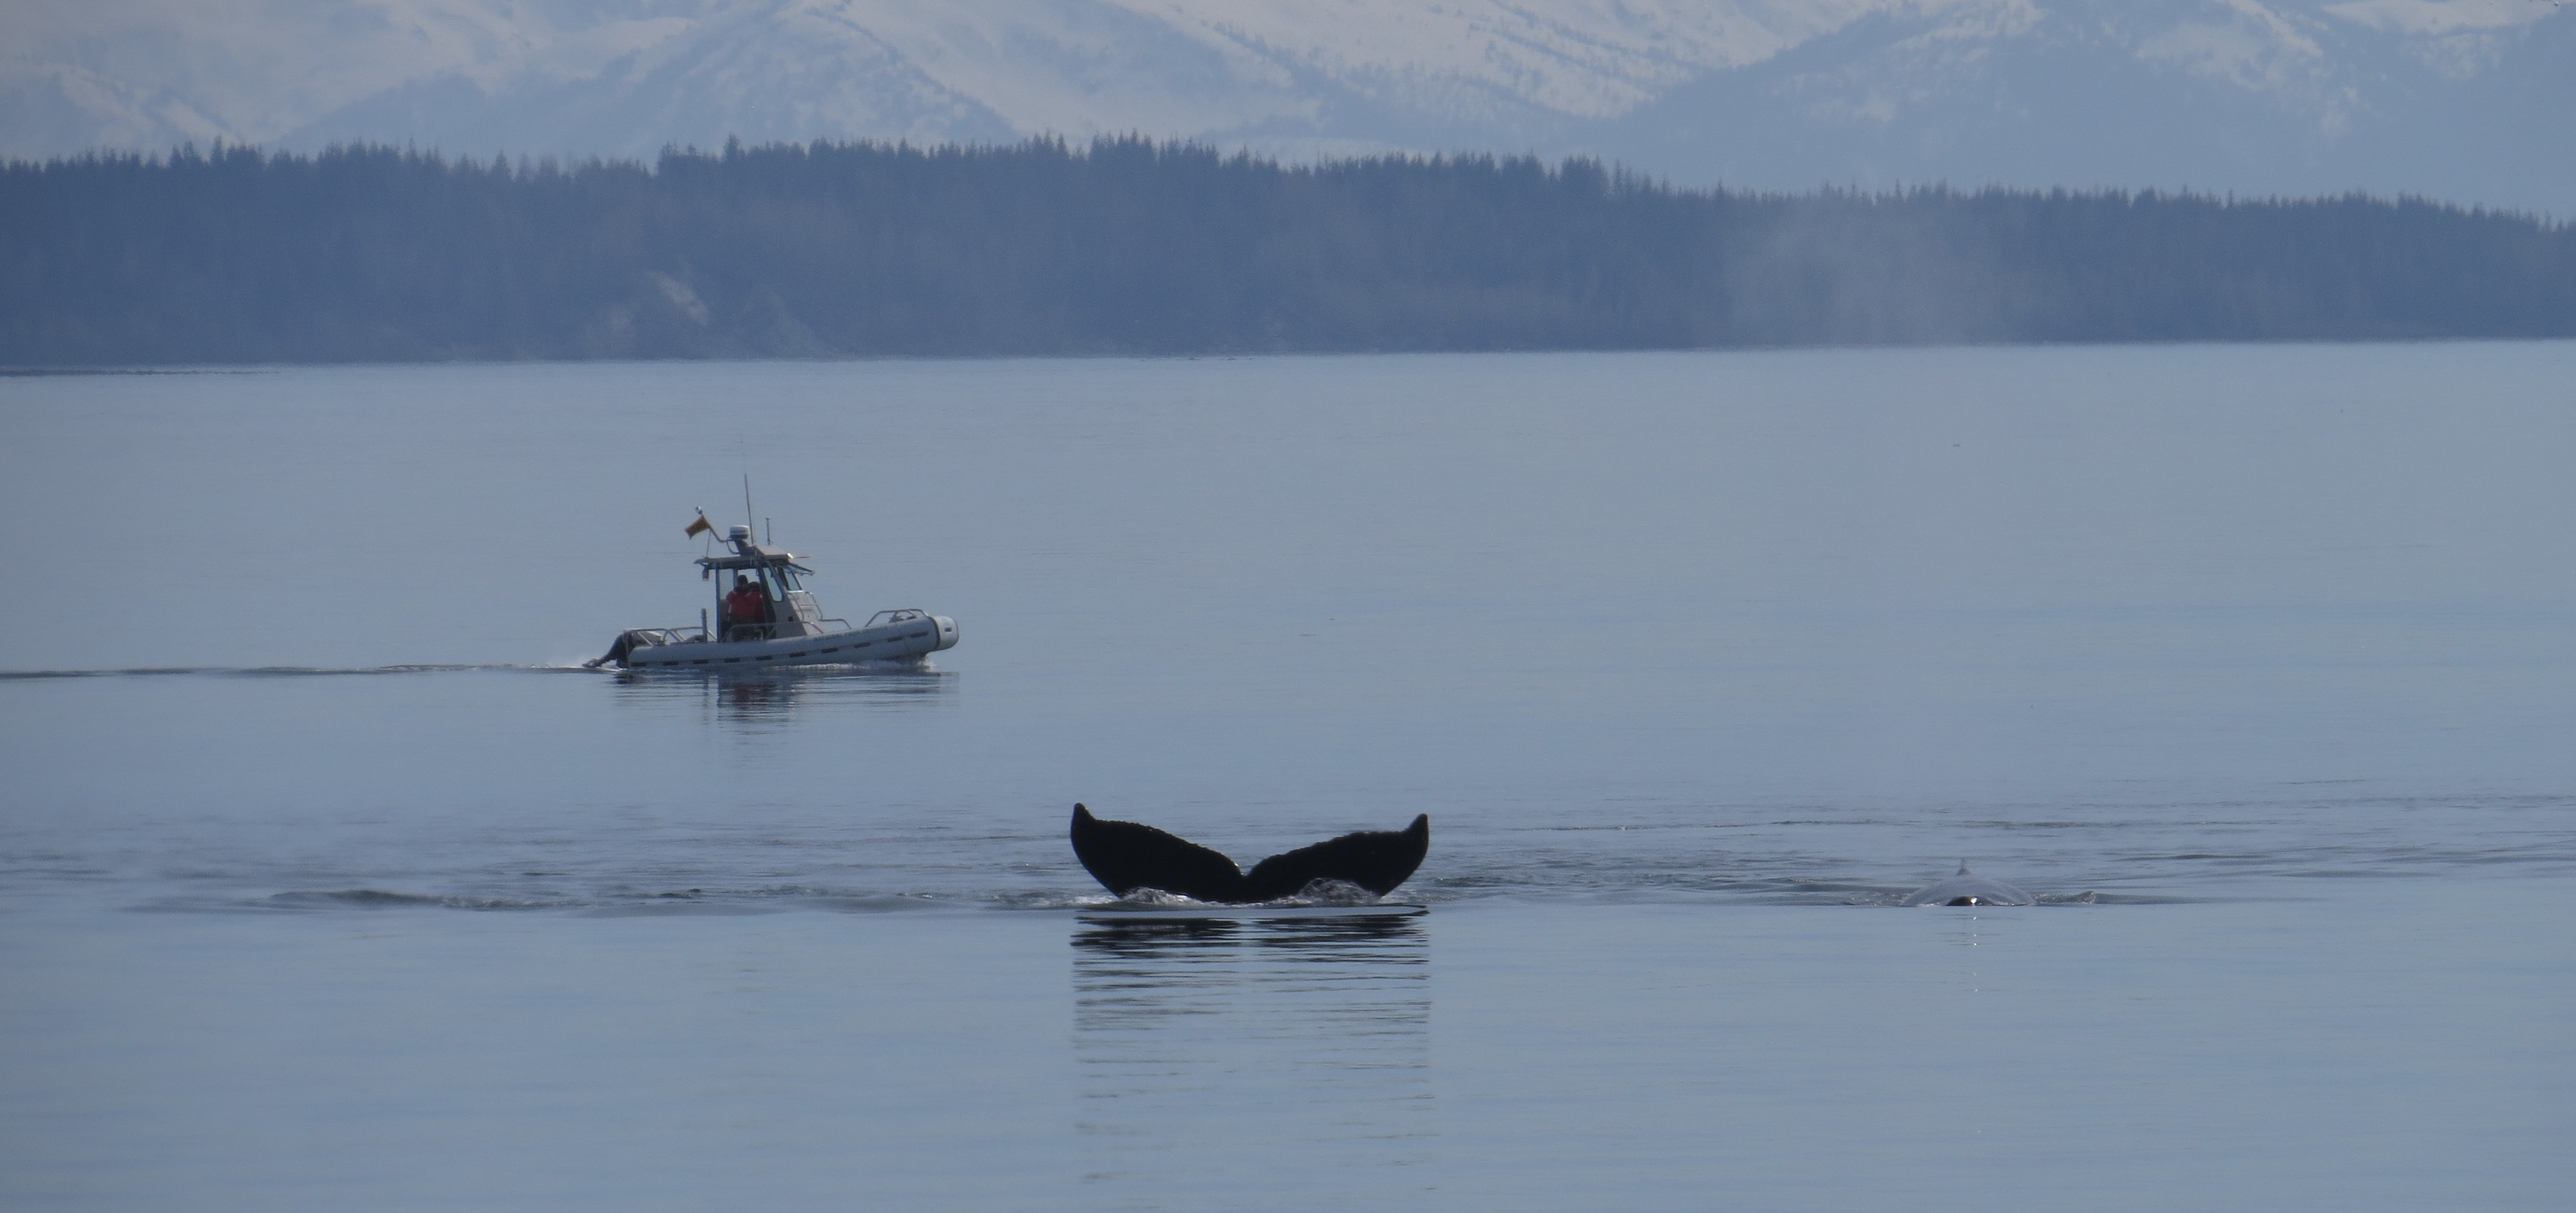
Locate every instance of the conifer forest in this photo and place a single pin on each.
(1131, 247)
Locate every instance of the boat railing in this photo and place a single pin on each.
(903, 615)
(678, 635)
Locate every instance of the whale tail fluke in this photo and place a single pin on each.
(1376, 860)
(1125, 856)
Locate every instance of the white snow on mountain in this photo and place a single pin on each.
(2468, 99)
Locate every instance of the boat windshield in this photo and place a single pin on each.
(775, 583)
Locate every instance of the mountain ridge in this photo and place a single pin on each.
(2468, 100)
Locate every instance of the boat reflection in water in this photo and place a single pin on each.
(769, 698)
(1197, 1041)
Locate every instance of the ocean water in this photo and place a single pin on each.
(328, 879)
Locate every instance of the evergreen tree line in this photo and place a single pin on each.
(1133, 247)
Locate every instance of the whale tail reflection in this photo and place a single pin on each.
(1125, 856)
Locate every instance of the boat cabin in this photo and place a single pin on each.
(783, 609)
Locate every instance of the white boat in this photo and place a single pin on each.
(785, 629)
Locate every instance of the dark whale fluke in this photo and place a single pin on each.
(1125, 857)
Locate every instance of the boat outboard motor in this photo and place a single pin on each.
(627, 642)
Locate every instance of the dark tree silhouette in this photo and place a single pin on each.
(1134, 247)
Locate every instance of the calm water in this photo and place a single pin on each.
(325, 883)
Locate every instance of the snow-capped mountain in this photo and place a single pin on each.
(2473, 100)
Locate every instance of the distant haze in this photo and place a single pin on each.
(2472, 101)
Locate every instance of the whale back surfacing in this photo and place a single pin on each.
(1969, 889)
(1125, 856)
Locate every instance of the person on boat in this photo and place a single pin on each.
(746, 605)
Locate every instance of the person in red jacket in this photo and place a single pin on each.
(746, 605)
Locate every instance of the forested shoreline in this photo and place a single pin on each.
(1132, 247)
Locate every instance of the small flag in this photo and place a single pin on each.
(700, 527)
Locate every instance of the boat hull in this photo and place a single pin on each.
(900, 641)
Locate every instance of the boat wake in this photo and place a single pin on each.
(284, 671)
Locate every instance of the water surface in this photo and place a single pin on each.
(330, 881)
